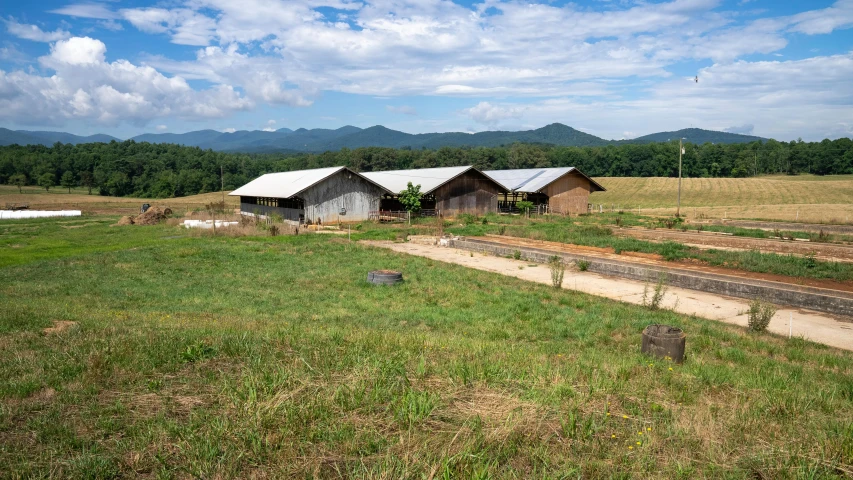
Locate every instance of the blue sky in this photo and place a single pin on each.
(616, 69)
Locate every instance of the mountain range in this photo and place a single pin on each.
(321, 139)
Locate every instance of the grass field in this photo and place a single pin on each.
(271, 357)
(804, 197)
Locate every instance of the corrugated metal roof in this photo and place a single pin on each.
(428, 178)
(532, 180)
(288, 184)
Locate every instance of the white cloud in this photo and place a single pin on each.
(402, 109)
(77, 51)
(489, 114)
(229, 130)
(785, 100)
(33, 32)
(161, 128)
(85, 86)
(87, 10)
(270, 127)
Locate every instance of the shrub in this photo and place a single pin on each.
(558, 270)
(516, 254)
(468, 219)
(583, 265)
(216, 207)
(760, 313)
(653, 302)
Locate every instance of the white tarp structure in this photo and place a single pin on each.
(18, 214)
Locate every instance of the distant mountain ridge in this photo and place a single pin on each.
(321, 139)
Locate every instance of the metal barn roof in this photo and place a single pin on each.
(288, 184)
(532, 180)
(428, 178)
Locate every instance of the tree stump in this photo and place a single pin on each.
(664, 341)
(384, 277)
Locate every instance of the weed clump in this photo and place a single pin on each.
(760, 313)
(516, 254)
(653, 298)
(583, 265)
(558, 270)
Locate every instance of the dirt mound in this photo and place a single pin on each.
(152, 216)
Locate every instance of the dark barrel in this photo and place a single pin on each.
(664, 341)
(384, 277)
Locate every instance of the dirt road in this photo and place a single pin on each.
(814, 326)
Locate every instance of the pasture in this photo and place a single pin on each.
(147, 352)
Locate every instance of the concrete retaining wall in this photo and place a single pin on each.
(824, 300)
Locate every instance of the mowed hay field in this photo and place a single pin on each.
(147, 353)
(58, 198)
(807, 198)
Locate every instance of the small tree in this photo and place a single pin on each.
(19, 180)
(87, 180)
(524, 206)
(411, 198)
(67, 180)
(46, 181)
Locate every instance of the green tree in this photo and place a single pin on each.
(411, 198)
(524, 206)
(67, 180)
(19, 180)
(46, 180)
(87, 180)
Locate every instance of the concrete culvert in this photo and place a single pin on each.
(664, 341)
(384, 277)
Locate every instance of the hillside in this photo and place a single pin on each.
(697, 136)
(24, 137)
(322, 139)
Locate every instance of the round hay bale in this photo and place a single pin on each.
(664, 341)
(384, 277)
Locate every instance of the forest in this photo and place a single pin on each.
(143, 169)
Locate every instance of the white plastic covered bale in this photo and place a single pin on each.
(19, 214)
(207, 223)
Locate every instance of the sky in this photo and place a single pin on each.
(613, 68)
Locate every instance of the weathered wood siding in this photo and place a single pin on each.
(470, 192)
(291, 214)
(323, 202)
(569, 194)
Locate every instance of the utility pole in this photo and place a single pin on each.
(680, 152)
(222, 181)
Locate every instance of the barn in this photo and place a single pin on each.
(448, 190)
(322, 195)
(562, 190)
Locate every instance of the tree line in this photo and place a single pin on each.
(144, 169)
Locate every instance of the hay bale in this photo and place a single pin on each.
(152, 216)
(125, 220)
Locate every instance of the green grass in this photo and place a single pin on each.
(240, 357)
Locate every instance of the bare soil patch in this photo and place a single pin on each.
(59, 326)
